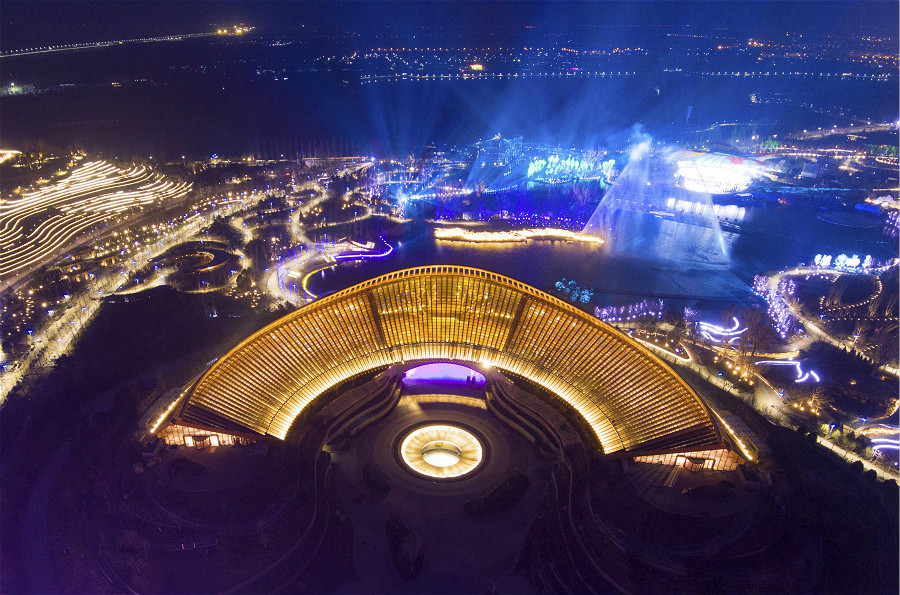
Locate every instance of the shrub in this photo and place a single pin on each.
(501, 498)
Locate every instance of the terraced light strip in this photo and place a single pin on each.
(56, 338)
(41, 223)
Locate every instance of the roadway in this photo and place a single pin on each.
(766, 400)
(98, 44)
(863, 129)
(56, 338)
(813, 328)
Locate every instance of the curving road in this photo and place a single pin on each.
(813, 328)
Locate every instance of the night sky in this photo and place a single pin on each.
(30, 23)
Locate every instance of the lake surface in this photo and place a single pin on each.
(772, 239)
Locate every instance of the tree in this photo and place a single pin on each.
(811, 397)
(258, 251)
(759, 331)
(678, 332)
(881, 344)
(264, 538)
(135, 562)
(134, 550)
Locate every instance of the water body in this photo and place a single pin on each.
(771, 239)
(638, 216)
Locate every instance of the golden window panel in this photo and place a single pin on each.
(626, 393)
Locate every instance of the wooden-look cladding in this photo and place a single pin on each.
(451, 313)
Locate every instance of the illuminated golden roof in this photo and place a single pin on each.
(631, 399)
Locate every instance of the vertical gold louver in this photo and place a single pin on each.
(627, 395)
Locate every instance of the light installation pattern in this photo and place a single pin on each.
(802, 376)
(642, 309)
(715, 173)
(554, 169)
(38, 224)
(441, 451)
(628, 396)
(778, 308)
(718, 334)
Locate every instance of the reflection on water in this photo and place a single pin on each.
(771, 239)
(542, 264)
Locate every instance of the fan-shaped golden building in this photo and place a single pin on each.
(629, 397)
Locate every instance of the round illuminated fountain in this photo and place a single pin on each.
(441, 451)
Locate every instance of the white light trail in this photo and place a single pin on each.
(718, 334)
(801, 375)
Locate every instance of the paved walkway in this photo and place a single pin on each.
(767, 403)
(812, 327)
(848, 455)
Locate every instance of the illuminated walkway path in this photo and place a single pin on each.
(56, 338)
(765, 401)
(813, 328)
(851, 456)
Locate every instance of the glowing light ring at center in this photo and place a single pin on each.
(627, 395)
(441, 451)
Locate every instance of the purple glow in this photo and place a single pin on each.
(645, 308)
(442, 371)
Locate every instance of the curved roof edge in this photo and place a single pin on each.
(629, 396)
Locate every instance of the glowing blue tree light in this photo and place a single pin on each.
(778, 309)
(630, 312)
